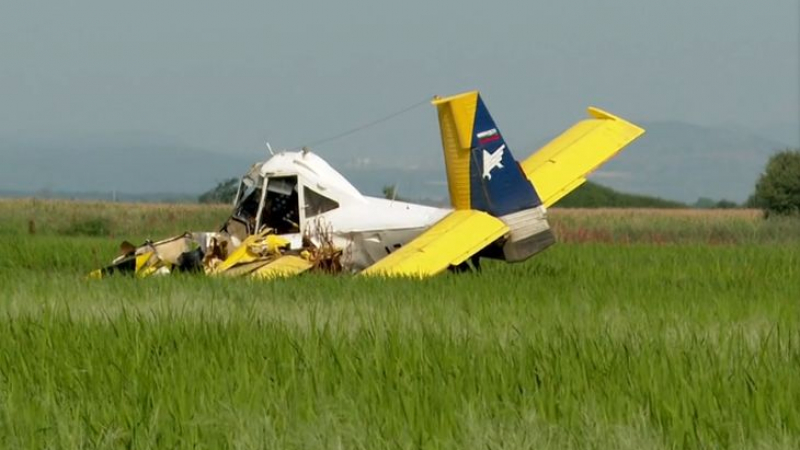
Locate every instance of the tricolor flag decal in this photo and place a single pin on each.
(484, 137)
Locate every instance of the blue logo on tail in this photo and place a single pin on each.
(497, 184)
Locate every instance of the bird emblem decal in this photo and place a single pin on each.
(492, 160)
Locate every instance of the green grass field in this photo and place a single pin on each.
(643, 330)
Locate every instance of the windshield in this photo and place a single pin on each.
(242, 221)
(279, 211)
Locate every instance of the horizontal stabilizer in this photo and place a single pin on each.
(564, 163)
(448, 242)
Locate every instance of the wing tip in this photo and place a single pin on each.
(598, 113)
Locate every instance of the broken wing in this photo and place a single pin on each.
(449, 242)
(283, 267)
(563, 164)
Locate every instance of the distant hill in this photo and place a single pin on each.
(684, 162)
(673, 160)
(148, 167)
(788, 132)
(593, 195)
(428, 184)
(131, 165)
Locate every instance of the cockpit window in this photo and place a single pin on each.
(250, 181)
(247, 206)
(243, 219)
(281, 210)
(317, 203)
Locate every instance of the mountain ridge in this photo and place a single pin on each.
(672, 160)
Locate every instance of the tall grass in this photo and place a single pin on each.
(106, 219)
(137, 222)
(585, 346)
(672, 226)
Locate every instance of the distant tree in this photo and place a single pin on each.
(707, 203)
(753, 202)
(726, 204)
(223, 193)
(778, 188)
(390, 192)
(704, 203)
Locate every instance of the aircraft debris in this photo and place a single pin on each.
(294, 213)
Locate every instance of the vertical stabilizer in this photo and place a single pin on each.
(483, 175)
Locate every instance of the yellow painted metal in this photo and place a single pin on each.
(450, 241)
(148, 264)
(95, 274)
(154, 267)
(456, 120)
(563, 164)
(142, 260)
(252, 249)
(245, 268)
(285, 266)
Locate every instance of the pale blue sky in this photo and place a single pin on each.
(227, 75)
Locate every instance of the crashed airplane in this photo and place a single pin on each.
(295, 213)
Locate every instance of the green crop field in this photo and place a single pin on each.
(641, 330)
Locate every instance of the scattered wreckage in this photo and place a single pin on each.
(295, 213)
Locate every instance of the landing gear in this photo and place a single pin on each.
(476, 263)
(465, 267)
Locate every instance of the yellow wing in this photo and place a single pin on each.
(563, 164)
(450, 241)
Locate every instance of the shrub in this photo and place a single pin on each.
(224, 192)
(778, 188)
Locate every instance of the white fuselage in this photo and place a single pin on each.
(365, 228)
(371, 230)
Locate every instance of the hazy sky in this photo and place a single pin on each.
(228, 75)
